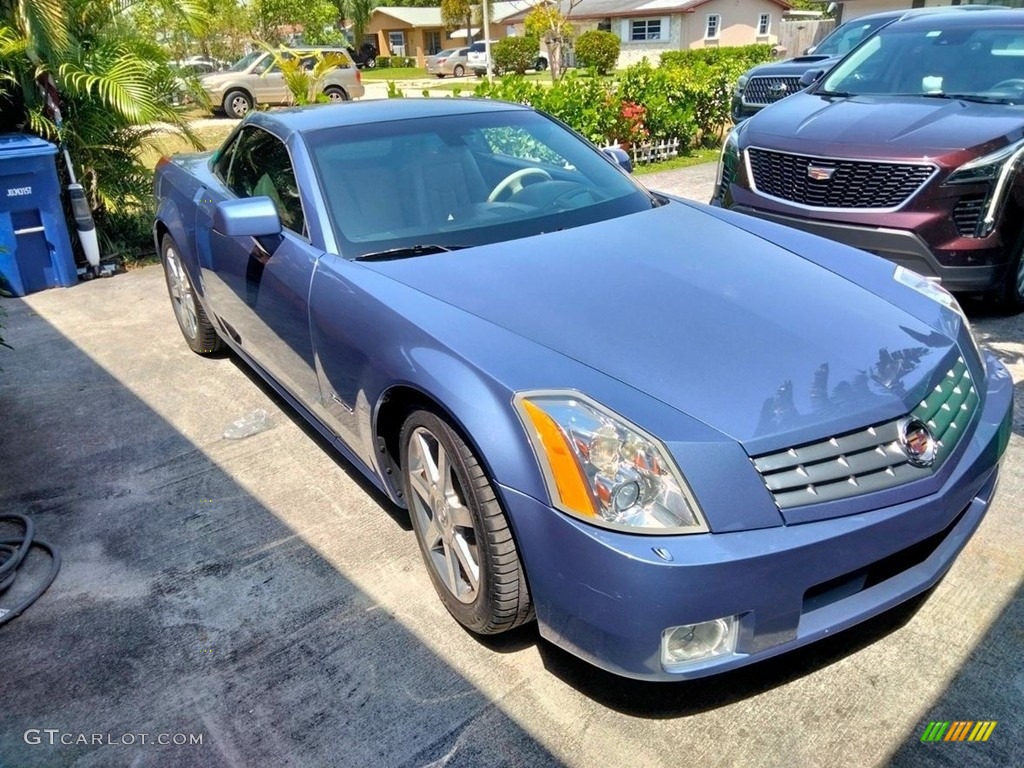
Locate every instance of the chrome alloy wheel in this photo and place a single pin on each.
(438, 501)
(182, 297)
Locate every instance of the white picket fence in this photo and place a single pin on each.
(653, 152)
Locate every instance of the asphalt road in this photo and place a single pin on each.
(255, 595)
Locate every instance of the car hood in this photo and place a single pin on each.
(898, 127)
(214, 79)
(764, 346)
(793, 67)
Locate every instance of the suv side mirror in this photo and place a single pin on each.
(810, 77)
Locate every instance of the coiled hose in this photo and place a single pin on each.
(12, 554)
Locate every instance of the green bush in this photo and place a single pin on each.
(597, 49)
(395, 62)
(515, 54)
(732, 60)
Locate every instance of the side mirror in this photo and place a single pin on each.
(620, 157)
(248, 217)
(810, 77)
(809, 50)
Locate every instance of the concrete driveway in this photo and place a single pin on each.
(251, 602)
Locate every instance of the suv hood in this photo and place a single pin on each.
(793, 67)
(921, 126)
(736, 331)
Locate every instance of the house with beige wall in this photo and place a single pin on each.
(647, 28)
(420, 32)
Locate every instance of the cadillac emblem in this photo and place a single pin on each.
(917, 442)
(819, 172)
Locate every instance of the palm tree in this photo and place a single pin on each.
(111, 87)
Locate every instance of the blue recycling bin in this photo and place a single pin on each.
(35, 250)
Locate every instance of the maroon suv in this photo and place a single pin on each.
(909, 148)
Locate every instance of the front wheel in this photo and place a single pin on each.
(459, 70)
(462, 532)
(199, 333)
(237, 104)
(1011, 294)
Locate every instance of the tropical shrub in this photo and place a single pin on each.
(597, 49)
(733, 61)
(515, 54)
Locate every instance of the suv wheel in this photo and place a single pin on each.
(237, 104)
(1011, 295)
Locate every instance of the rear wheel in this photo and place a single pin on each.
(199, 333)
(237, 104)
(462, 532)
(439, 76)
(334, 93)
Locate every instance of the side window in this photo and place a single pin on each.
(223, 164)
(262, 167)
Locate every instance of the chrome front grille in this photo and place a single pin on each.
(820, 182)
(870, 459)
(768, 90)
(967, 213)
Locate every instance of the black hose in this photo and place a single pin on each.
(12, 554)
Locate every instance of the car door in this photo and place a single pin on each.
(268, 85)
(258, 289)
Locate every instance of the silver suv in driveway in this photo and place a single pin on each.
(256, 79)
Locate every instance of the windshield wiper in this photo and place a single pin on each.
(835, 94)
(408, 251)
(975, 97)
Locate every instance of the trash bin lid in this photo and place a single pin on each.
(24, 145)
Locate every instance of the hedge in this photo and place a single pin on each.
(515, 54)
(598, 49)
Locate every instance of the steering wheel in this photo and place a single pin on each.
(1013, 82)
(514, 181)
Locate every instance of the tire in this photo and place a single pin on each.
(335, 93)
(370, 63)
(459, 70)
(199, 333)
(237, 104)
(454, 509)
(439, 76)
(541, 64)
(1011, 295)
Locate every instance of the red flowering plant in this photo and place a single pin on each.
(631, 129)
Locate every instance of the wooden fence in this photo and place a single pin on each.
(796, 35)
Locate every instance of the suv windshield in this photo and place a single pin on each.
(245, 62)
(848, 36)
(443, 183)
(978, 64)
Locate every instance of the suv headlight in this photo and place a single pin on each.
(1000, 166)
(728, 162)
(741, 83)
(605, 470)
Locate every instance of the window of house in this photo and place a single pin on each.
(764, 24)
(396, 41)
(604, 25)
(648, 29)
(713, 27)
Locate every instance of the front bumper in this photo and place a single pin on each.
(607, 596)
(903, 247)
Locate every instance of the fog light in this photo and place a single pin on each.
(691, 643)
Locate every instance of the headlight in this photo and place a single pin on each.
(605, 470)
(728, 161)
(936, 292)
(985, 168)
(741, 83)
(999, 165)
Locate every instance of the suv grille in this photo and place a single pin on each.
(967, 214)
(768, 90)
(870, 459)
(849, 183)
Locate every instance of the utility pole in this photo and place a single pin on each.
(487, 37)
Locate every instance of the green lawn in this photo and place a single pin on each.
(211, 135)
(393, 73)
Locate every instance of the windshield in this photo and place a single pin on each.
(245, 62)
(848, 36)
(980, 64)
(445, 53)
(463, 180)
